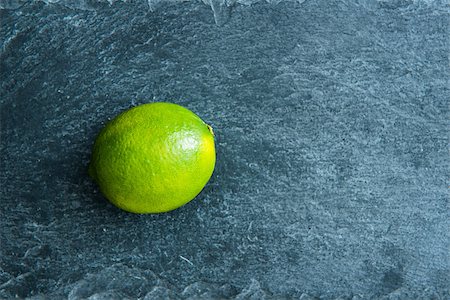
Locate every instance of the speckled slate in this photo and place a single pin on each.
(332, 129)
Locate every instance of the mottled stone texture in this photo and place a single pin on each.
(332, 132)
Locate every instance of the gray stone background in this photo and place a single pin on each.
(332, 129)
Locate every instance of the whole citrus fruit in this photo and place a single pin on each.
(153, 158)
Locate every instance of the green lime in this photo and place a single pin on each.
(153, 158)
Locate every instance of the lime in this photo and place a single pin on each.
(153, 158)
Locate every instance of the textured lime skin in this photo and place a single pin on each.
(153, 158)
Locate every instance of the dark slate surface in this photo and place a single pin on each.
(332, 140)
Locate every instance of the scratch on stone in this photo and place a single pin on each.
(187, 260)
